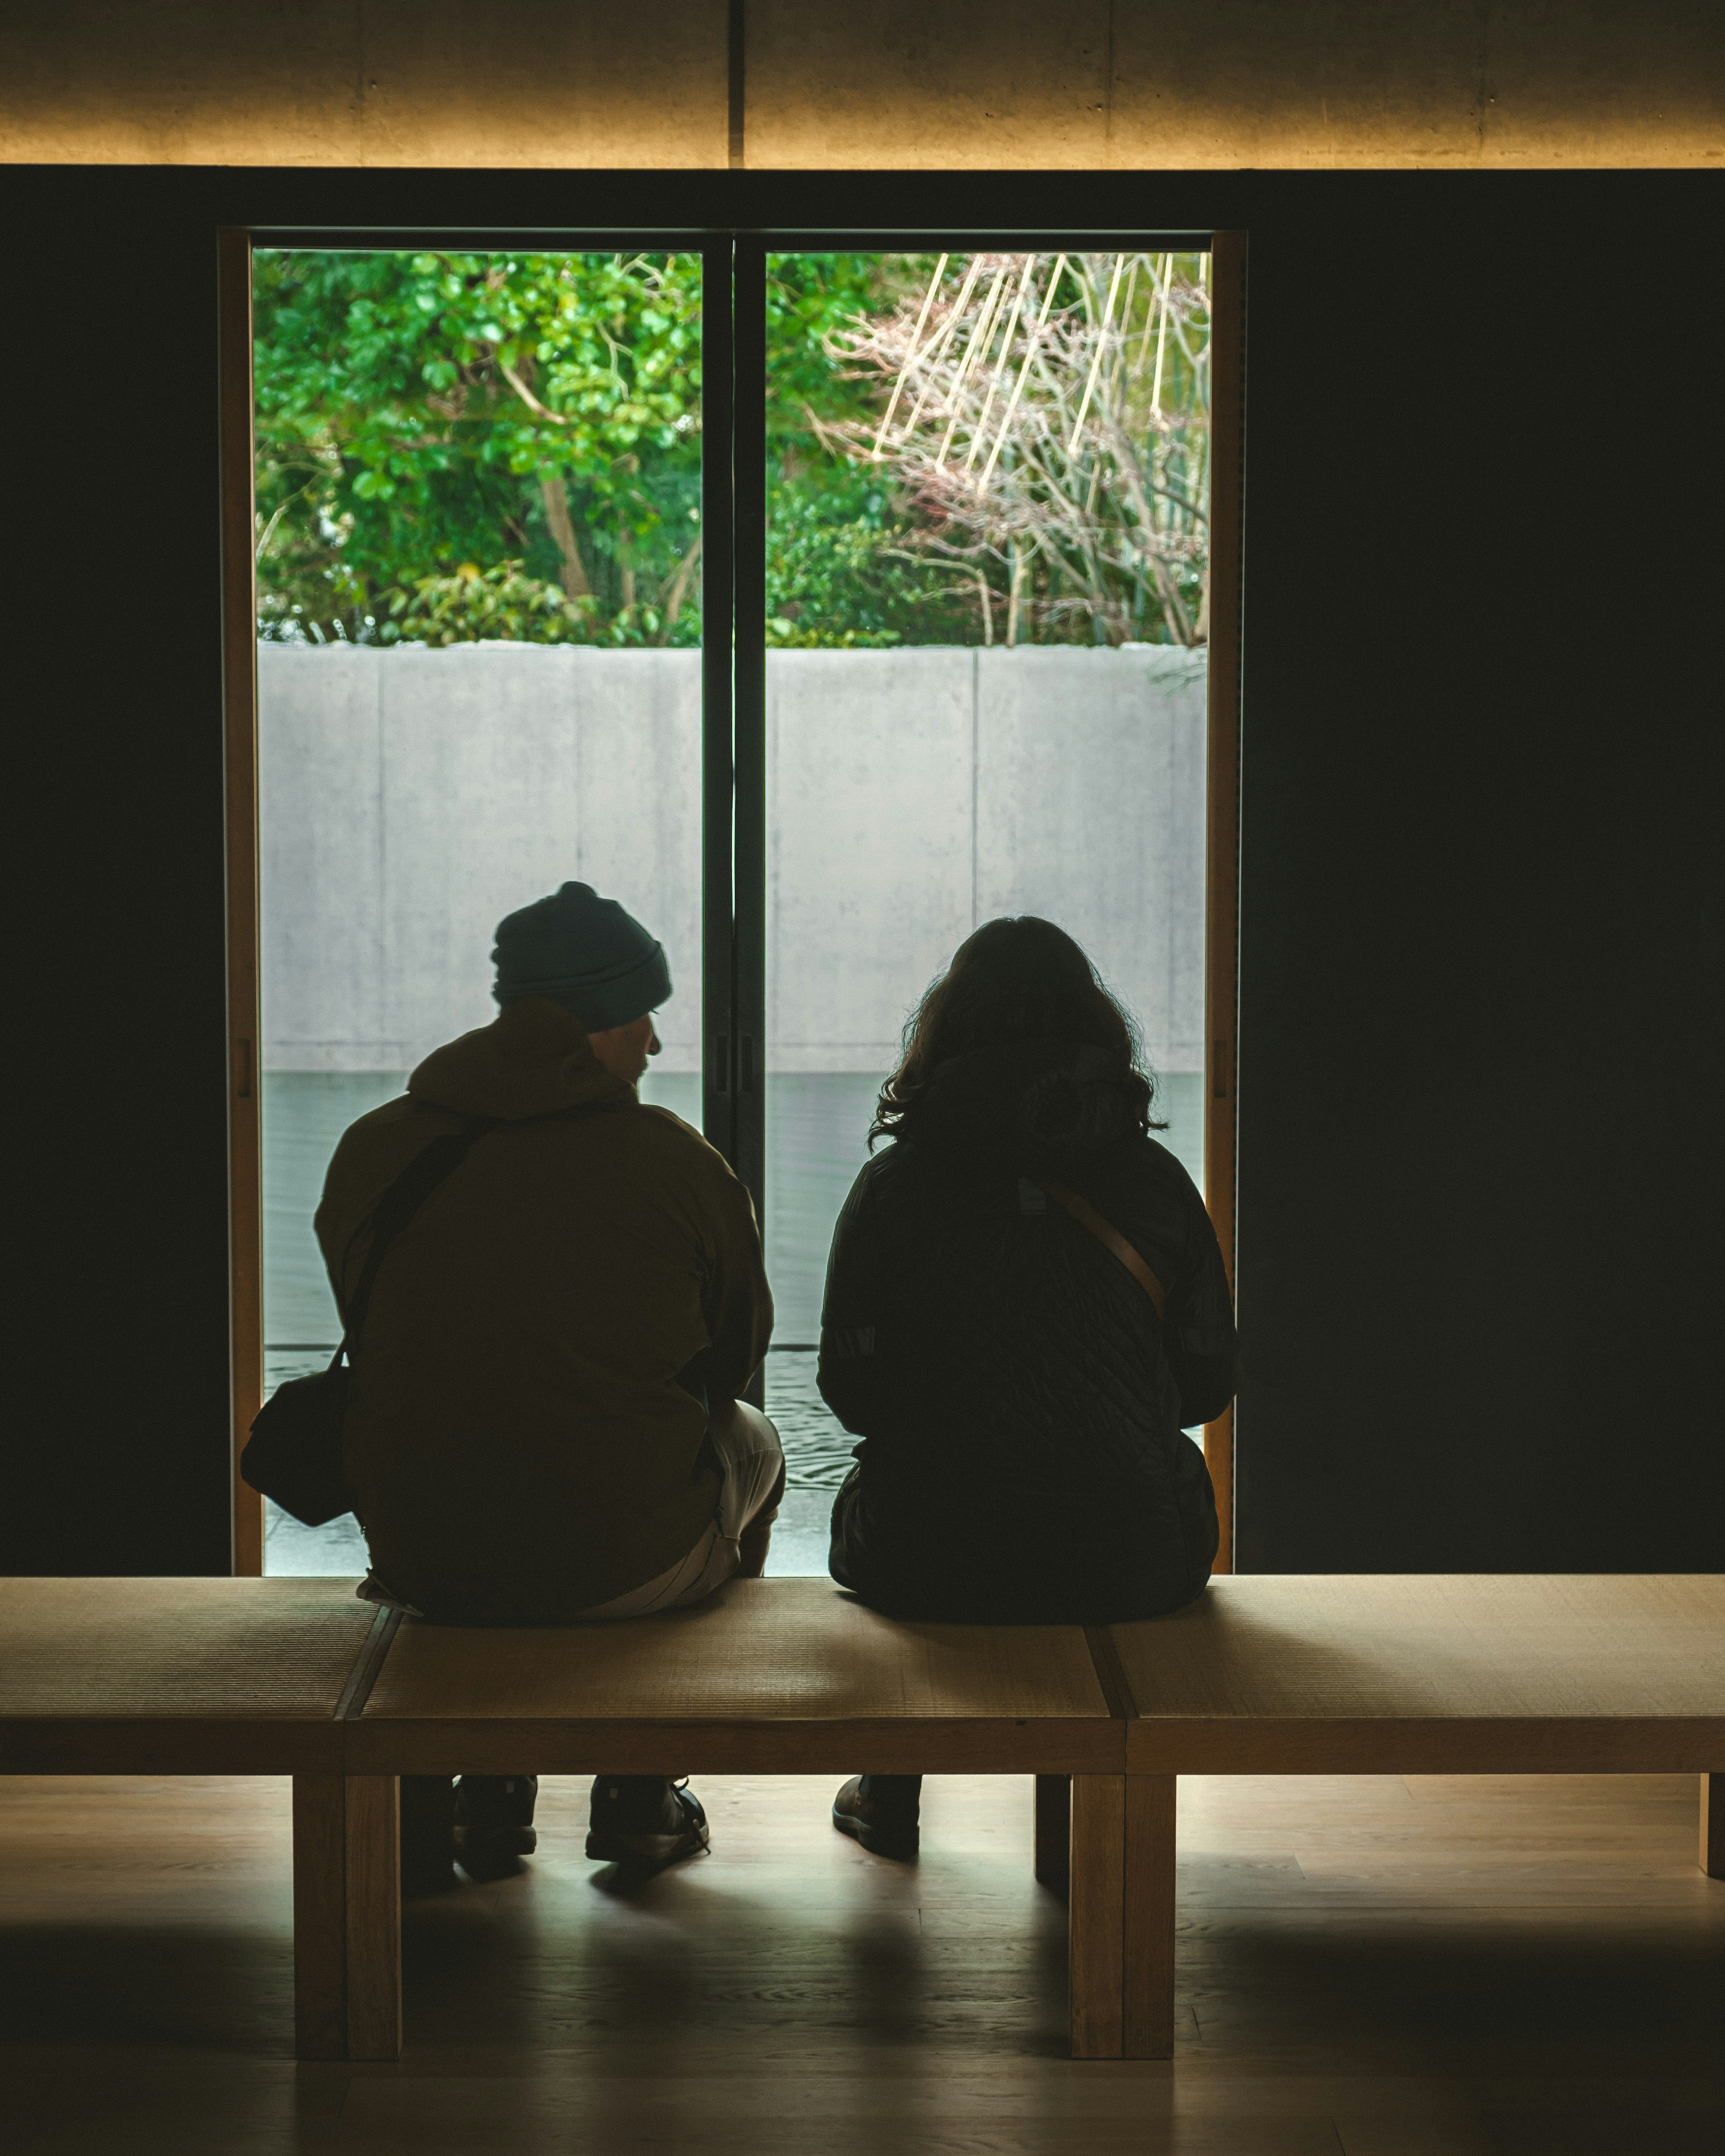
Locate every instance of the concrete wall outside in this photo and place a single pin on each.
(410, 798)
(942, 84)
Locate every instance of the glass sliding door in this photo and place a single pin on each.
(481, 605)
(818, 603)
(985, 619)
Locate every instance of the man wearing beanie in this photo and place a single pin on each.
(545, 1423)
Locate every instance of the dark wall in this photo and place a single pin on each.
(1479, 1268)
(1478, 1275)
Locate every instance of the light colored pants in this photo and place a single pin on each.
(754, 1460)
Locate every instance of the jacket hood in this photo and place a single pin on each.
(1028, 1102)
(533, 1060)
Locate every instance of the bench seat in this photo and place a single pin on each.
(1362, 1674)
(215, 1676)
(177, 1676)
(1447, 1673)
(765, 1677)
(1412, 1673)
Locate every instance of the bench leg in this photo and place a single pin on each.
(1712, 1825)
(1149, 1943)
(374, 1899)
(1095, 1908)
(1054, 1831)
(320, 1917)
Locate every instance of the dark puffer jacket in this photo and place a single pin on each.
(1020, 1405)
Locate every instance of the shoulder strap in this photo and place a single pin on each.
(430, 1166)
(1109, 1237)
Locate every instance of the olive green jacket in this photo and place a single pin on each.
(518, 1442)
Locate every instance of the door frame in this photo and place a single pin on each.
(240, 769)
(733, 723)
(1224, 716)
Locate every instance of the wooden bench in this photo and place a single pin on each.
(202, 1676)
(767, 1676)
(178, 1677)
(1358, 1675)
(1417, 1674)
(195, 1677)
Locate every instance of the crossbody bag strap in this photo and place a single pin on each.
(429, 1166)
(1109, 1237)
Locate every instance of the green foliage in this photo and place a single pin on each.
(413, 409)
(473, 604)
(809, 298)
(459, 446)
(838, 575)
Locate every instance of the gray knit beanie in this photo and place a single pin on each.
(584, 953)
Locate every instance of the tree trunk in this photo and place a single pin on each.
(676, 589)
(562, 527)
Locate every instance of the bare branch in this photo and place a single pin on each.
(1088, 471)
(528, 398)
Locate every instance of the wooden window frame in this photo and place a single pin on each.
(734, 834)
(239, 743)
(1221, 912)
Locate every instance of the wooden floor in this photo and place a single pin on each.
(1367, 1968)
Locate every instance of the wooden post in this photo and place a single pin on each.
(374, 1899)
(1149, 1947)
(1712, 1825)
(320, 1917)
(1095, 1912)
(240, 699)
(1054, 1831)
(1221, 936)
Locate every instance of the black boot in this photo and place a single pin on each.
(493, 1823)
(881, 1812)
(645, 1820)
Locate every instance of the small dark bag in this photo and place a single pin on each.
(294, 1452)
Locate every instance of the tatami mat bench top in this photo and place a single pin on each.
(177, 1676)
(1433, 1673)
(1370, 1673)
(765, 1677)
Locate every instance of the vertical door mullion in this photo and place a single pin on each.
(749, 720)
(718, 1027)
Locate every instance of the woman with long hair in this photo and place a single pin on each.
(1025, 1309)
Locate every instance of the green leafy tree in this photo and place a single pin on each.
(457, 446)
(428, 417)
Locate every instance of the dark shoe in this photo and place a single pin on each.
(428, 1833)
(494, 1824)
(644, 1820)
(880, 1811)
